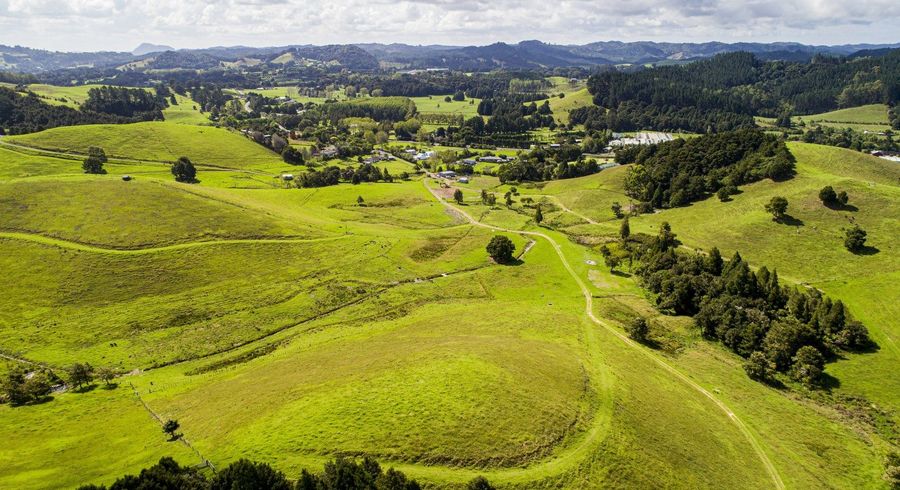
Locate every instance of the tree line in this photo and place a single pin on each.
(681, 171)
(338, 474)
(778, 329)
(27, 113)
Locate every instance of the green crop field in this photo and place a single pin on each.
(292, 325)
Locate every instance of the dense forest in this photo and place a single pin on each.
(126, 102)
(27, 113)
(751, 313)
(724, 92)
(681, 171)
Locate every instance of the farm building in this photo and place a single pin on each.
(463, 180)
(330, 151)
(447, 174)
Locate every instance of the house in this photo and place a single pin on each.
(463, 180)
(425, 155)
(467, 161)
(411, 151)
(330, 151)
(492, 159)
(447, 174)
(287, 177)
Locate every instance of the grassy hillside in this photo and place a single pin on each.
(871, 117)
(291, 325)
(185, 112)
(156, 141)
(862, 281)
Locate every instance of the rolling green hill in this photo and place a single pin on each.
(292, 325)
(156, 141)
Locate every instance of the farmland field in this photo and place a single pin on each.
(435, 104)
(233, 314)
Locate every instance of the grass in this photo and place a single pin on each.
(69, 440)
(862, 281)
(156, 141)
(872, 114)
(292, 325)
(185, 112)
(58, 95)
(435, 104)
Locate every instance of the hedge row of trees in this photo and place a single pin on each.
(21, 386)
(338, 474)
(333, 175)
(681, 171)
(777, 328)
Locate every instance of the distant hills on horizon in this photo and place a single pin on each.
(369, 56)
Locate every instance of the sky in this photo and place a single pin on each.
(120, 25)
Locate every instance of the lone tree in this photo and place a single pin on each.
(843, 198)
(625, 229)
(777, 207)
(538, 215)
(807, 366)
(855, 239)
(458, 196)
(170, 427)
(106, 375)
(479, 483)
(501, 249)
(638, 329)
(360, 201)
(617, 209)
(81, 375)
(92, 165)
(827, 195)
(184, 170)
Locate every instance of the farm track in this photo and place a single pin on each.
(84, 247)
(589, 309)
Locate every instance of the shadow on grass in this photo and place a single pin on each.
(867, 250)
(85, 389)
(620, 273)
(110, 386)
(789, 220)
(829, 382)
(836, 206)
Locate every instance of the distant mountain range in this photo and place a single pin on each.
(147, 48)
(523, 55)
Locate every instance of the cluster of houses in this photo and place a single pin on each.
(643, 138)
(379, 156)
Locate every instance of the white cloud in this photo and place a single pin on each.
(122, 24)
